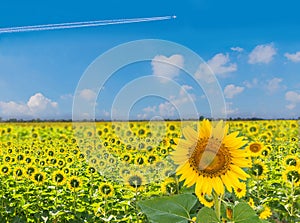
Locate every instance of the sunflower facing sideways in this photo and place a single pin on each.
(211, 159)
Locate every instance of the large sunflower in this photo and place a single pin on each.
(211, 159)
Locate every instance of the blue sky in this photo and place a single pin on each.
(253, 48)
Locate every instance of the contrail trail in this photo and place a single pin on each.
(71, 25)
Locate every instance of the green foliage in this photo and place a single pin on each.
(169, 209)
(243, 213)
(21, 200)
(207, 215)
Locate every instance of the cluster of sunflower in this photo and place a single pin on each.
(97, 172)
(273, 188)
(83, 169)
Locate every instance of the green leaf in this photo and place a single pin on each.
(207, 215)
(26, 206)
(173, 209)
(243, 213)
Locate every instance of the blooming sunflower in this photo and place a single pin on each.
(38, 177)
(59, 177)
(74, 183)
(19, 172)
(140, 160)
(5, 170)
(152, 158)
(135, 181)
(292, 175)
(253, 129)
(124, 172)
(291, 160)
(211, 159)
(169, 186)
(266, 151)
(255, 148)
(106, 189)
(258, 170)
(251, 203)
(240, 191)
(266, 213)
(126, 157)
(30, 169)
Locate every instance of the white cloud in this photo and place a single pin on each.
(37, 106)
(150, 109)
(237, 49)
(183, 102)
(184, 89)
(293, 57)
(167, 109)
(142, 116)
(39, 102)
(231, 90)
(147, 112)
(262, 54)
(167, 66)
(106, 113)
(87, 94)
(230, 110)
(293, 98)
(218, 65)
(13, 109)
(66, 96)
(274, 84)
(290, 106)
(251, 84)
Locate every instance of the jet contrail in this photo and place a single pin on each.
(71, 25)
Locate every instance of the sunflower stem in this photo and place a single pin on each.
(217, 205)
(136, 205)
(293, 199)
(177, 184)
(74, 200)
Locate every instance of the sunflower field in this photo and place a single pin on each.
(128, 172)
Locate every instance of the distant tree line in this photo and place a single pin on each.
(102, 120)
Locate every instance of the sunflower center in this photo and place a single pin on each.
(291, 162)
(106, 189)
(74, 183)
(257, 169)
(293, 176)
(255, 147)
(59, 178)
(135, 181)
(210, 159)
(39, 177)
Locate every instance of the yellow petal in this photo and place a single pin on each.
(218, 186)
(207, 185)
(183, 168)
(190, 134)
(184, 144)
(199, 183)
(233, 178)
(205, 129)
(239, 172)
(241, 162)
(219, 131)
(191, 180)
(227, 182)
